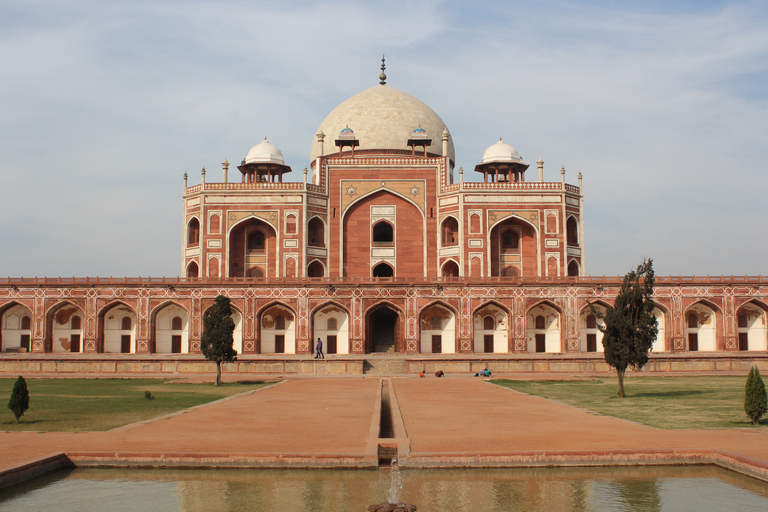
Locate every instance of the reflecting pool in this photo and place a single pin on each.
(698, 488)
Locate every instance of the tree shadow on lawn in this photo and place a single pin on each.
(682, 392)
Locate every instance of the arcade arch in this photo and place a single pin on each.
(171, 330)
(66, 329)
(700, 328)
(119, 329)
(16, 329)
(660, 344)
(383, 329)
(331, 324)
(438, 330)
(513, 243)
(543, 329)
(590, 323)
(751, 327)
(491, 326)
(277, 330)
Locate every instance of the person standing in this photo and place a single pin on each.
(319, 349)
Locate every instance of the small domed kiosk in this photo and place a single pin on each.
(263, 163)
(502, 163)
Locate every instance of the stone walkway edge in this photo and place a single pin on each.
(726, 460)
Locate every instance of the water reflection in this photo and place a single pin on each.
(580, 490)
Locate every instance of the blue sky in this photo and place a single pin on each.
(663, 107)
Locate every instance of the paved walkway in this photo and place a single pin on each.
(334, 421)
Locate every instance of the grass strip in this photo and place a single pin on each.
(663, 402)
(80, 405)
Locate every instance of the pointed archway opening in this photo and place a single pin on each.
(382, 331)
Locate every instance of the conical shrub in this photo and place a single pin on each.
(755, 399)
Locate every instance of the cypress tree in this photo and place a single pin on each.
(217, 340)
(755, 400)
(19, 402)
(630, 327)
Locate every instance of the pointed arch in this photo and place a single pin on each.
(114, 337)
(316, 230)
(193, 271)
(450, 268)
(751, 326)
(168, 335)
(590, 335)
(574, 269)
(330, 322)
(316, 268)
(237, 317)
(572, 234)
(193, 232)
(384, 328)
(449, 231)
(15, 333)
(527, 255)
(277, 328)
(544, 327)
(253, 242)
(491, 328)
(701, 320)
(60, 333)
(437, 328)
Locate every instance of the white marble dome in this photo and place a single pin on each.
(382, 118)
(264, 153)
(501, 152)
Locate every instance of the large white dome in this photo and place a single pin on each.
(382, 118)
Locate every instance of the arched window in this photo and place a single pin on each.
(332, 324)
(450, 231)
(450, 269)
(255, 272)
(290, 224)
(192, 270)
(573, 269)
(315, 269)
(193, 232)
(256, 241)
(510, 271)
(489, 323)
(572, 230)
(280, 322)
(176, 323)
(510, 239)
(540, 322)
(316, 232)
(383, 270)
(26, 323)
(75, 322)
(214, 223)
(591, 322)
(125, 324)
(693, 321)
(382, 233)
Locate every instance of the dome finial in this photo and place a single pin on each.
(382, 76)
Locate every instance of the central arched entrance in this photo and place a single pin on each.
(382, 331)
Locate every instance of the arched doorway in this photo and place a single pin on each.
(382, 331)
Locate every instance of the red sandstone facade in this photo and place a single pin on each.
(385, 248)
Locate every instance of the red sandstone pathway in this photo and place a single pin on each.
(333, 417)
(475, 418)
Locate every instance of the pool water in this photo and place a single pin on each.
(697, 488)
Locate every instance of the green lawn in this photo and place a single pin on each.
(78, 405)
(664, 402)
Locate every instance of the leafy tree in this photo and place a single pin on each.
(755, 400)
(19, 402)
(217, 339)
(630, 327)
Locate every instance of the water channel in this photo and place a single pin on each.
(697, 488)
